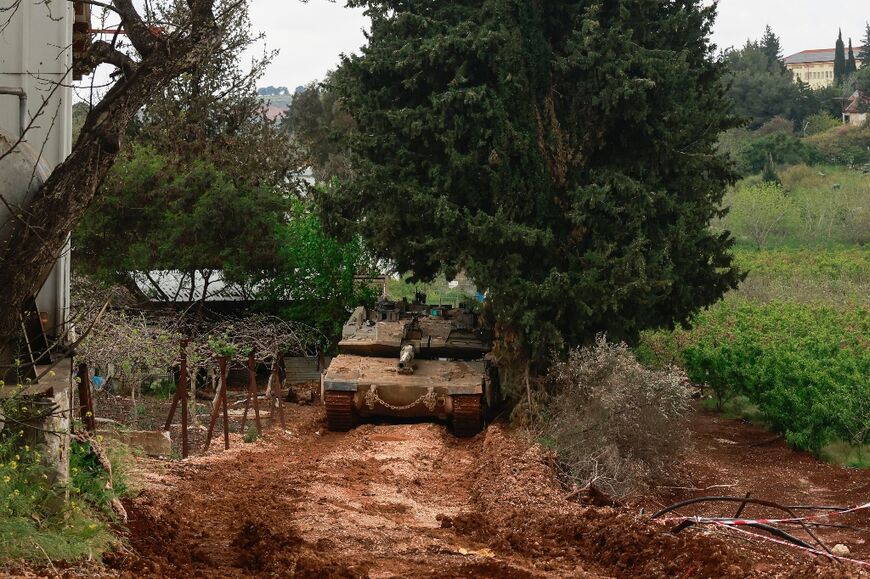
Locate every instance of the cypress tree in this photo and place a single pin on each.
(562, 153)
(839, 60)
(851, 65)
(864, 54)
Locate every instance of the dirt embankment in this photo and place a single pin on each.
(407, 501)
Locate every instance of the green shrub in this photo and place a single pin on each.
(251, 434)
(785, 149)
(35, 520)
(820, 122)
(88, 479)
(819, 206)
(843, 145)
(761, 212)
(806, 366)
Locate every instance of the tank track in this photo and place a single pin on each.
(466, 415)
(340, 415)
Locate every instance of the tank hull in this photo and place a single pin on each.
(374, 387)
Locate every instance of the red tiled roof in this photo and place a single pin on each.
(858, 103)
(273, 112)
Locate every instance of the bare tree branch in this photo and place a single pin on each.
(102, 52)
(138, 32)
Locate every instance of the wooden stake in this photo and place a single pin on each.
(220, 400)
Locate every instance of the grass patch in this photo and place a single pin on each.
(836, 276)
(737, 408)
(438, 292)
(851, 456)
(63, 538)
(821, 206)
(37, 522)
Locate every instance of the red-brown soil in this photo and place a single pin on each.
(412, 501)
(732, 457)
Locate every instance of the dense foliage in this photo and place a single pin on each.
(562, 153)
(805, 366)
(203, 185)
(34, 511)
(322, 128)
(154, 216)
(840, 70)
(318, 278)
(793, 341)
(813, 206)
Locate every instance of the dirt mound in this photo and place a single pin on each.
(162, 548)
(408, 500)
(284, 553)
(519, 508)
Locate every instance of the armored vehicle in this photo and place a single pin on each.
(411, 360)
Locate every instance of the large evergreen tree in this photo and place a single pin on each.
(864, 53)
(207, 171)
(772, 48)
(851, 65)
(562, 153)
(839, 60)
(760, 89)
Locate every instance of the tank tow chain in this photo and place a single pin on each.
(428, 399)
(339, 411)
(466, 415)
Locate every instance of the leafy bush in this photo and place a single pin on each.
(251, 434)
(615, 423)
(776, 125)
(35, 520)
(88, 479)
(821, 205)
(806, 366)
(843, 145)
(819, 123)
(785, 149)
(761, 212)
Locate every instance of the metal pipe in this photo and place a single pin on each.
(22, 106)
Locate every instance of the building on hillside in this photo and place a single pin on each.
(857, 107)
(815, 67)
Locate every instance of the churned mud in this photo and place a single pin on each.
(410, 500)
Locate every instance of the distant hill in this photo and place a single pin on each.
(273, 91)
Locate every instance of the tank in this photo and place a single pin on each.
(411, 360)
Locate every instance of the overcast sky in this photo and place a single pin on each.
(310, 37)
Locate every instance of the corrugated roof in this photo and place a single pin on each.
(816, 55)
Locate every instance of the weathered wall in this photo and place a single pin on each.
(35, 55)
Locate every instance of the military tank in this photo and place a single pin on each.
(411, 360)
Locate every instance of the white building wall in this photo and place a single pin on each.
(36, 55)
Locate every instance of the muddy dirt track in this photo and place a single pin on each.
(408, 501)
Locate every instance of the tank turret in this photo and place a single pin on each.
(410, 360)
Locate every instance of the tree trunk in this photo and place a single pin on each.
(39, 237)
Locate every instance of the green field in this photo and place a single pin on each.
(790, 348)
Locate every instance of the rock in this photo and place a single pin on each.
(152, 442)
(840, 550)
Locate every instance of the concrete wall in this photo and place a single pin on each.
(816, 74)
(35, 54)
